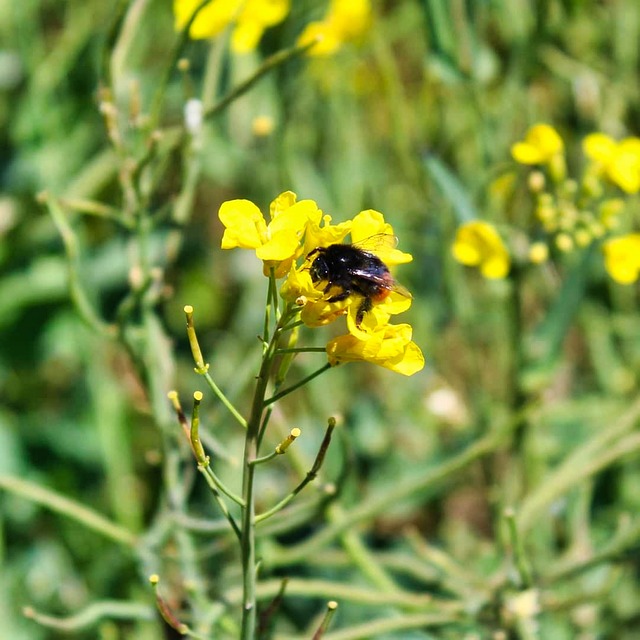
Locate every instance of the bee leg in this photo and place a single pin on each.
(343, 295)
(365, 306)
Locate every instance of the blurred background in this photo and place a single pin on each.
(415, 120)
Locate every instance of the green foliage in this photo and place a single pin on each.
(493, 495)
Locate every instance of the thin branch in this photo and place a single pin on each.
(69, 508)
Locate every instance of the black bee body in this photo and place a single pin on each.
(352, 270)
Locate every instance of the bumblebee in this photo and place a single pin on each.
(353, 270)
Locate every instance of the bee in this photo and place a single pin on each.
(352, 269)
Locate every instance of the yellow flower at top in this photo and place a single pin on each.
(622, 258)
(540, 146)
(250, 17)
(478, 244)
(346, 21)
(277, 243)
(618, 161)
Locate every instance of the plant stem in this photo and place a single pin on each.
(69, 508)
(248, 534)
(298, 384)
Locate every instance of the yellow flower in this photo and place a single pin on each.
(622, 258)
(389, 347)
(322, 233)
(277, 243)
(346, 21)
(618, 161)
(369, 224)
(250, 17)
(541, 145)
(478, 244)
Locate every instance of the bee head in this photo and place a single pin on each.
(318, 269)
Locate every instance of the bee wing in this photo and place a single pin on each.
(377, 242)
(384, 282)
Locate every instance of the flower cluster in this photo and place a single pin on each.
(297, 229)
(577, 213)
(345, 21)
(569, 213)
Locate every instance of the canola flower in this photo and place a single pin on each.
(478, 244)
(276, 243)
(250, 19)
(345, 21)
(622, 258)
(283, 244)
(543, 146)
(619, 162)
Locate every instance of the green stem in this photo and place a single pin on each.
(221, 503)
(158, 98)
(69, 508)
(606, 447)
(384, 500)
(301, 350)
(362, 557)
(208, 471)
(297, 385)
(311, 475)
(78, 294)
(91, 615)
(248, 539)
(269, 64)
(225, 401)
(521, 561)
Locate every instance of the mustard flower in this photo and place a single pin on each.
(346, 21)
(618, 161)
(622, 258)
(478, 244)
(277, 243)
(389, 347)
(249, 17)
(541, 145)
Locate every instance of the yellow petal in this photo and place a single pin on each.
(540, 145)
(349, 19)
(391, 348)
(624, 171)
(265, 12)
(478, 244)
(294, 218)
(327, 41)
(317, 236)
(246, 36)
(210, 21)
(282, 245)
(466, 252)
(285, 200)
(495, 267)
(245, 225)
(369, 223)
(622, 258)
(599, 147)
(526, 153)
